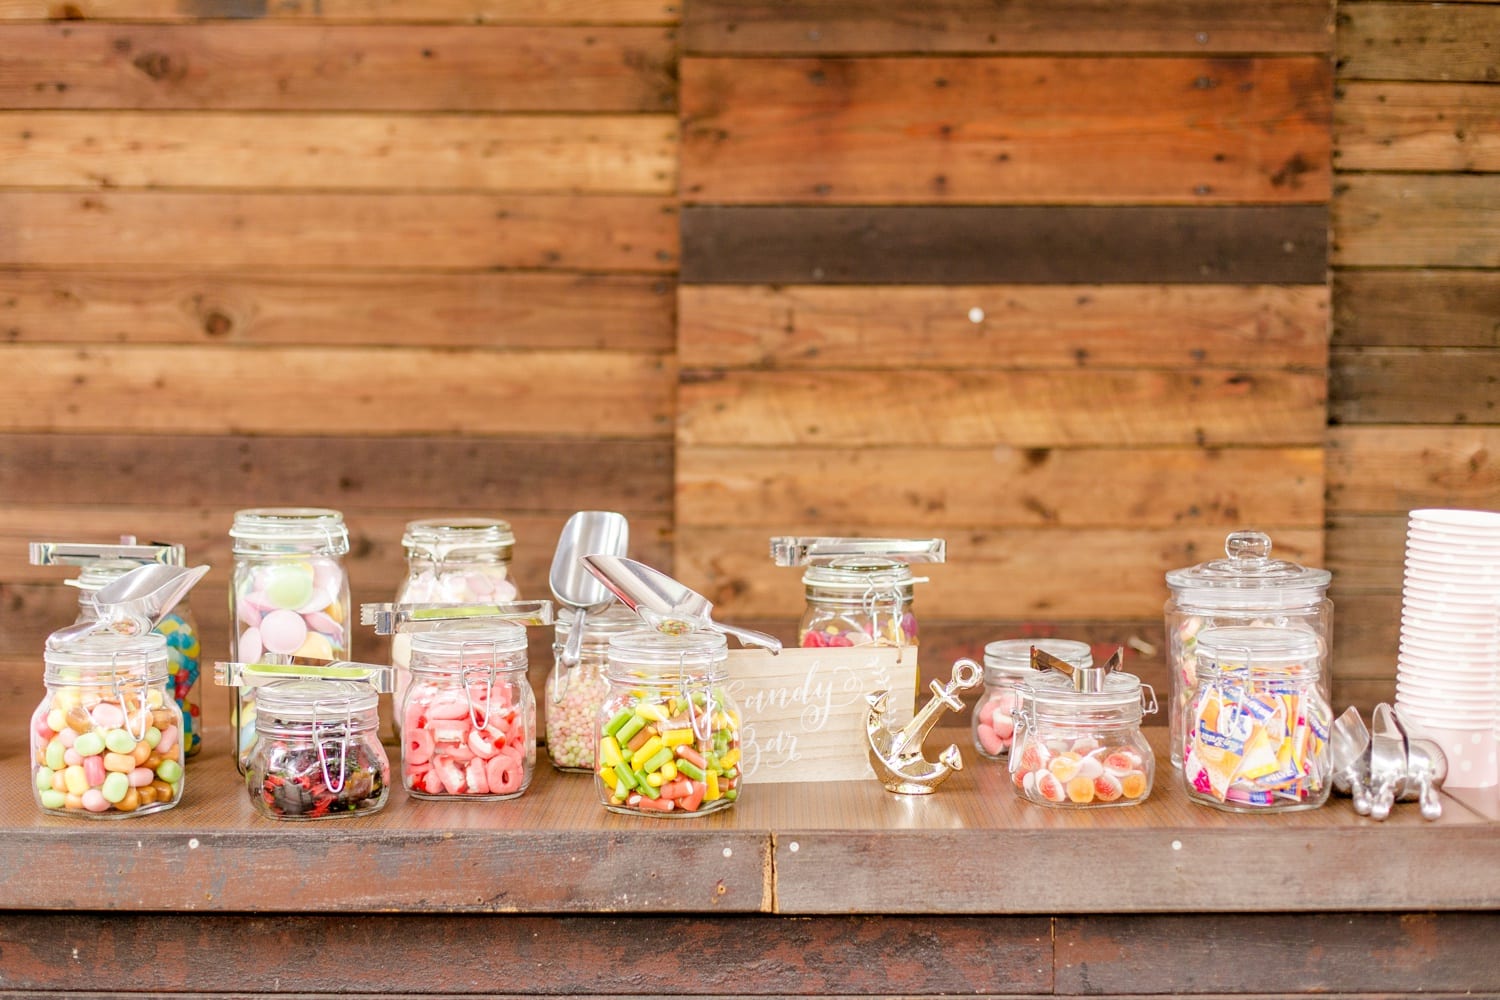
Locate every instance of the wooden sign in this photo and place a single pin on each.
(803, 711)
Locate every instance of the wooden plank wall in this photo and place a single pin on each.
(1414, 388)
(1046, 279)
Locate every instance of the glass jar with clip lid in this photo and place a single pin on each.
(574, 694)
(859, 591)
(1007, 666)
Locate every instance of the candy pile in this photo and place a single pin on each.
(184, 666)
(859, 630)
(570, 722)
(994, 720)
(1079, 772)
(473, 741)
(86, 755)
(669, 754)
(288, 780)
(1257, 744)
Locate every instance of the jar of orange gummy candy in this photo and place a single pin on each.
(1083, 749)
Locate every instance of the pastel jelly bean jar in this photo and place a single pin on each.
(669, 732)
(106, 741)
(289, 596)
(1007, 666)
(468, 716)
(1257, 722)
(858, 601)
(1246, 587)
(1083, 749)
(454, 560)
(317, 754)
(574, 694)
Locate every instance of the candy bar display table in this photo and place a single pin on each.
(819, 889)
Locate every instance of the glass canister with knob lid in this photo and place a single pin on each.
(317, 753)
(859, 591)
(574, 694)
(1256, 721)
(1245, 588)
(1007, 666)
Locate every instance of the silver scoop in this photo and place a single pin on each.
(664, 603)
(1350, 748)
(587, 533)
(136, 602)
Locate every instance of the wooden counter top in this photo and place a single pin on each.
(785, 848)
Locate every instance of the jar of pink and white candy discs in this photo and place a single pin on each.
(1083, 749)
(669, 732)
(289, 595)
(468, 717)
(456, 560)
(1007, 665)
(573, 695)
(317, 754)
(106, 741)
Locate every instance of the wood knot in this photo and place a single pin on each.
(159, 66)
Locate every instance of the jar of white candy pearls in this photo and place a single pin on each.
(573, 695)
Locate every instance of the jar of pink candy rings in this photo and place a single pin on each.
(106, 741)
(1083, 748)
(454, 560)
(289, 596)
(317, 754)
(1257, 723)
(573, 695)
(468, 717)
(669, 733)
(1248, 588)
(1007, 665)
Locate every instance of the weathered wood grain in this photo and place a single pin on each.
(989, 244)
(1417, 220)
(1381, 469)
(1394, 385)
(1366, 636)
(1018, 130)
(1416, 308)
(993, 486)
(1416, 126)
(841, 26)
(1009, 326)
(1027, 409)
(1366, 551)
(578, 154)
(336, 231)
(310, 67)
(418, 11)
(507, 310)
(276, 390)
(1418, 41)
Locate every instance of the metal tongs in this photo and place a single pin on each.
(245, 675)
(795, 550)
(664, 603)
(390, 619)
(1391, 762)
(1087, 679)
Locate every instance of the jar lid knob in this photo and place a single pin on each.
(1086, 679)
(1248, 547)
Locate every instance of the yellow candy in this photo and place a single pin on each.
(646, 752)
(651, 713)
(76, 781)
(711, 779)
(677, 737)
(316, 647)
(668, 772)
(335, 611)
(609, 751)
(609, 777)
(730, 758)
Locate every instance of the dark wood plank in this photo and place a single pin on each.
(1416, 126)
(940, 244)
(1418, 41)
(392, 67)
(1417, 220)
(1006, 131)
(1380, 469)
(1394, 385)
(1416, 308)
(333, 11)
(1366, 636)
(971, 26)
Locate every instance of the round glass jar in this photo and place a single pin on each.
(1247, 587)
(288, 596)
(858, 601)
(669, 733)
(1007, 665)
(106, 740)
(574, 695)
(455, 560)
(468, 717)
(317, 754)
(1257, 722)
(1081, 749)
(179, 628)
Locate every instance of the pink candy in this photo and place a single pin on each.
(464, 742)
(994, 723)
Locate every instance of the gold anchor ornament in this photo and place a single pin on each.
(896, 755)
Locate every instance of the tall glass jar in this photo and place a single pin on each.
(1007, 665)
(669, 733)
(317, 754)
(106, 740)
(468, 717)
(289, 596)
(1083, 749)
(179, 627)
(1257, 722)
(1247, 587)
(573, 695)
(858, 601)
(452, 560)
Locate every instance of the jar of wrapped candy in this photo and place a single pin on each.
(289, 596)
(106, 740)
(1083, 748)
(858, 601)
(574, 694)
(1007, 665)
(317, 754)
(456, 560)
(1257, 722)
(669, 733)
(1246, 588)
(468, 717)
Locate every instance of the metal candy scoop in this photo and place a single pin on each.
(1350, 748)
(587, 533)
(1387, 761)
(1426, 768)
(664, 603)
(145, 595)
